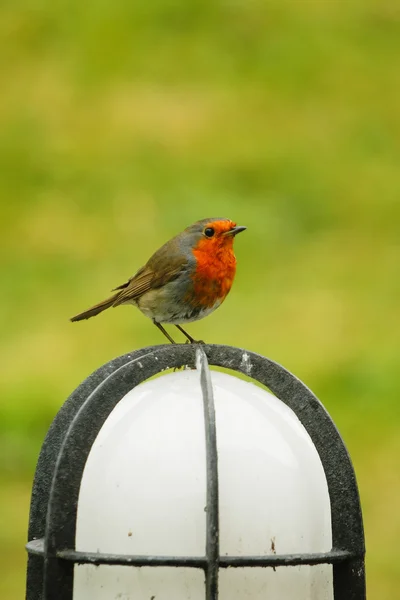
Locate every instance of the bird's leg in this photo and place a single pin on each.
(161, 328)
(189, 337)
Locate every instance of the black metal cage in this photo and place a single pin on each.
(52, 526)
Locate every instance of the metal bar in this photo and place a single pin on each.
(212, 514)
(350, 571)
(335, 557)
(47, 462)
(35, 547)
(83, 427)
(285, 560)
(346, 516)
(200, 562)
(60, 469)
(94, 558)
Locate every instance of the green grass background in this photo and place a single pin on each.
(123, 122)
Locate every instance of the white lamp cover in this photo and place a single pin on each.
(144, 492)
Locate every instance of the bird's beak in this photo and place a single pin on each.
(235, 230)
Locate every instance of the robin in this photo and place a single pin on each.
(184, 281)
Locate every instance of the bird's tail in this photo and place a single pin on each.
(95, 310)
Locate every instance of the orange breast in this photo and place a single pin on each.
(213, 276)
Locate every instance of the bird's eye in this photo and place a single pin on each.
(209, 232)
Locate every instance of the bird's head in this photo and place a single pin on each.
(213, 235)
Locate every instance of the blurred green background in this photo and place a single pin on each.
(123, 122)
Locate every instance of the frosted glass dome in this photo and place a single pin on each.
(143, 492)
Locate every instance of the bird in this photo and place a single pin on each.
(183, 281)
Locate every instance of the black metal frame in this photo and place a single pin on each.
(52, 525)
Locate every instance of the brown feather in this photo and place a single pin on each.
(164, 266)
(125, 285)
(147, 280)
(94, 310)
(137, 286)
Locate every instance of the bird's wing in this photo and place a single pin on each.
(125, 285)
(157, 272)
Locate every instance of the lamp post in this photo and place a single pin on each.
(195, 484)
